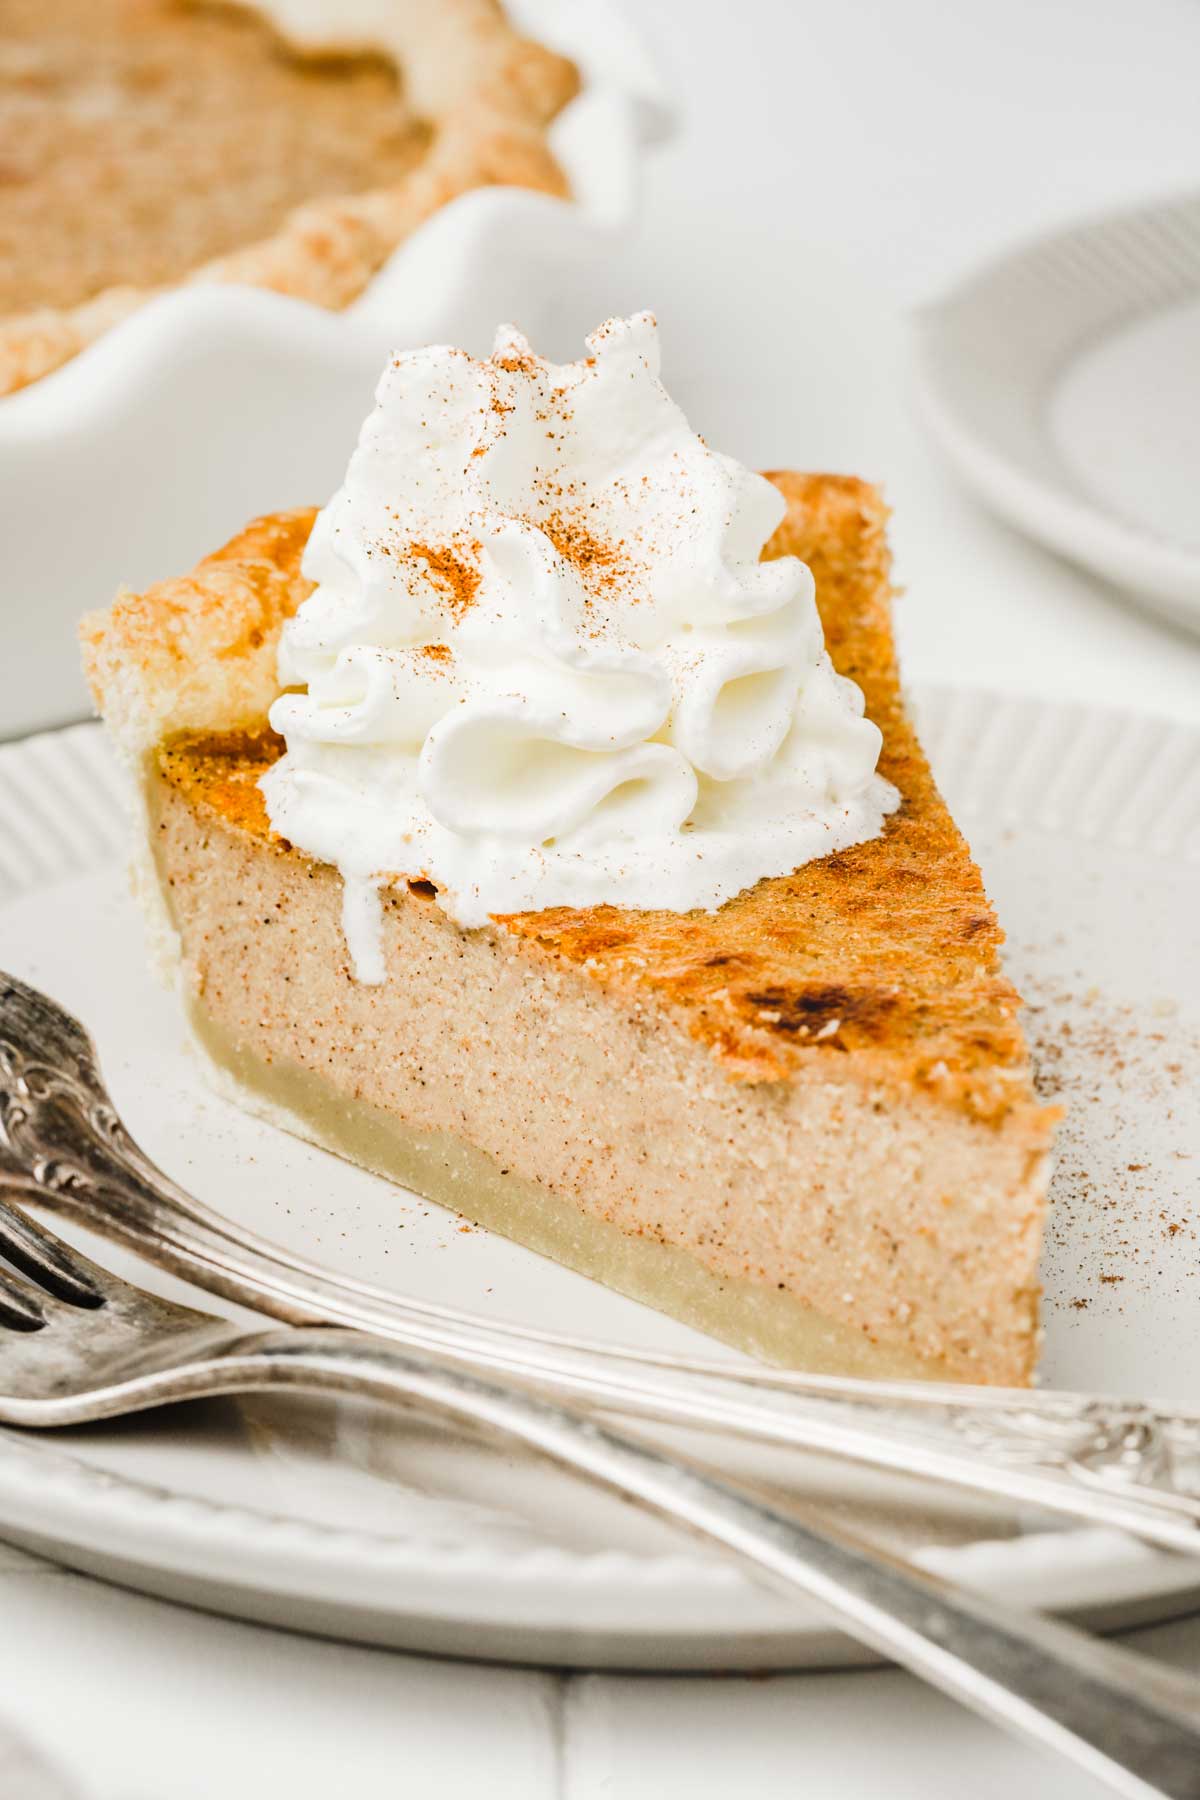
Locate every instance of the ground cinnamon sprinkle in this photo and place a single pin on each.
(573, 541)
(458, 579)
(437, 652)
(1122, 1071)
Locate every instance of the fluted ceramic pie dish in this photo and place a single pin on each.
(215, 401)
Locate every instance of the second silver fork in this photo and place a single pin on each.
(77, 1343)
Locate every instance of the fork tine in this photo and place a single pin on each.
(44, 1259)
(18, 1310)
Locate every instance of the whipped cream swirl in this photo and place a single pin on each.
(543, 664)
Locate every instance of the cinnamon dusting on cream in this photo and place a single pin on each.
(456, 573)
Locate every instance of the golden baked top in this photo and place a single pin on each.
(147, 142)
(879, 962)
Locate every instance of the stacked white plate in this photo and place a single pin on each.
(1063, 382)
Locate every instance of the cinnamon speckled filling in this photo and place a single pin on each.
(814, 1223)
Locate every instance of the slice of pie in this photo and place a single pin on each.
(803, 1123)
(144, 143)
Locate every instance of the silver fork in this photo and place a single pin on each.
(1123, 1463)
(78, 1343)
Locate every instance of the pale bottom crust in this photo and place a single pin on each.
(766, 1323)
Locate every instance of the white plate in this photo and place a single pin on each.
(215, 403)
(330, 1518)
(1063, 382)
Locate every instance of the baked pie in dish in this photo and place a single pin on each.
(516, 830)
(145, 143)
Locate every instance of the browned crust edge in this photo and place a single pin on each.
(489, 93)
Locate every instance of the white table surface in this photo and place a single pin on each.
(837, 165)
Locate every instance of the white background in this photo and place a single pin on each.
(838, 163)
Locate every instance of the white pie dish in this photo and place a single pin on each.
(1062, 382)
(215, 403)
(322, 1519)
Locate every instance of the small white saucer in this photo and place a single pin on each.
(1063, 383)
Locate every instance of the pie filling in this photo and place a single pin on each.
(140, 139)
(817, 1224)
(763, 1321)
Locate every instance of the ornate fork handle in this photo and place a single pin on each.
(1115, 1462)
